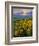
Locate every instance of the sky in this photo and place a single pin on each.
(21, 11)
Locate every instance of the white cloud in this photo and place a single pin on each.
(21, 11)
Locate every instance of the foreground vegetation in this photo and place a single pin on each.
(22, 28)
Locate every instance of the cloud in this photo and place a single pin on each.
(21, 11)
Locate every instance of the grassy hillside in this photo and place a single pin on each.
(22, 28)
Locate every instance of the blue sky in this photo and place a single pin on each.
(21, 11)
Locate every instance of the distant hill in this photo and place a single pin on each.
(18, 16)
